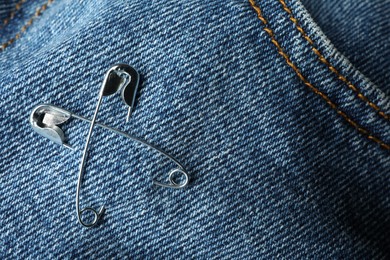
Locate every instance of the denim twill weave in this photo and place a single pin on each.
(275, 171)
(365, 42)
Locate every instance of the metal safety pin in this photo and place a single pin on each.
(46, 120)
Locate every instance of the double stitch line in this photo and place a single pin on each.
(37, 13)
(280, 50)
(330, 66)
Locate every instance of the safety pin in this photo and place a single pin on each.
(46, 120)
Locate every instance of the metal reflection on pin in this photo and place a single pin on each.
(46, 120)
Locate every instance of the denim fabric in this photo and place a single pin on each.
(6, 9)
(287, 159)
(361, 31)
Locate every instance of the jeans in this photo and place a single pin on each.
(286, 141)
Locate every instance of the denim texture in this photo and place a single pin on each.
(361, 31)
(7, 9)
(276, 171)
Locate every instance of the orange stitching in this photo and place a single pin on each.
(280, 50)
(12, 14)
(37, 13)
(330, 66)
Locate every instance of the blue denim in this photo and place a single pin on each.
(360, 30)
(287, 143)
(6, 9)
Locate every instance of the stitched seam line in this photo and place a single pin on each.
(280, 50)
(37, 13)
(330, 66)
(12, 13)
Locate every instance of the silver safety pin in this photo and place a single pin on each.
(46, 120)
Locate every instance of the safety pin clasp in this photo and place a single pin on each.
(46, 119)
(125, 78)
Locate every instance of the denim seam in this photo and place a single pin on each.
(11, 15)
(37, 13)
(280, 50)
(322, 58)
